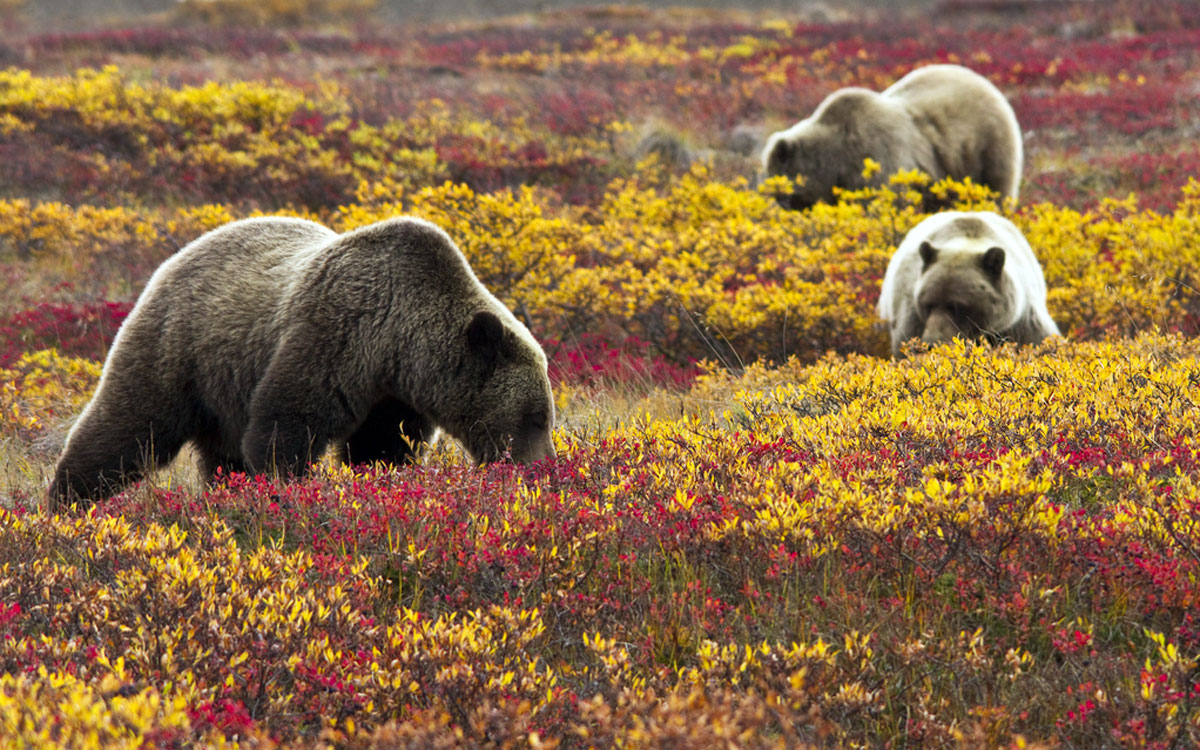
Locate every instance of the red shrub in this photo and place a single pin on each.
(83, 329)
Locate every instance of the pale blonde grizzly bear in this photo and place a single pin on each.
(965, 274)
(944, 120)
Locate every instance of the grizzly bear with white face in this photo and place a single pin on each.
(944, 120)
(268, 340)
(965, 274)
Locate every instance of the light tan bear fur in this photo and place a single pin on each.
(944, 120)
(267, 340)
(968, 274)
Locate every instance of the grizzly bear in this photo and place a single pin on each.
(944, 120)
(268, 340)
(968, 274)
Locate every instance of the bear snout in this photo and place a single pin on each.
(794, 201)
(536, 450)
(939, 327)
(519, 449)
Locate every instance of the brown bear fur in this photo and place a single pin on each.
(269, 339)
(968, 274)
(944, 120)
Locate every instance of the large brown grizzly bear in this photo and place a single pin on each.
(267, 340)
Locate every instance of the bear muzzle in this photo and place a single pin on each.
(794, 201)
(939, 328)
(536, 450)
(519, 450)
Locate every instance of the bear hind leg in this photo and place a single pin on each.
(392, 432)
(1001, 174)
(102, 456)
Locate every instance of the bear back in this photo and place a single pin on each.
(967, 122)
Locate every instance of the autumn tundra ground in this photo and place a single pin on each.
(759, 530)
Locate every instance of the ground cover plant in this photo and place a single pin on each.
(758, 532)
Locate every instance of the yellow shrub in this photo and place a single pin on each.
(52, 710)
(41, 388)
(697, 267)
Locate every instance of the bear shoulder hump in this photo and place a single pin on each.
(260, 233)
(402, 247)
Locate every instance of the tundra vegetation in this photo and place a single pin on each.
(759, 531)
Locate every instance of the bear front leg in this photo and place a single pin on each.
(392, 432)
(295, 411)
(1028, 330)
(284, 441)
(909, 326)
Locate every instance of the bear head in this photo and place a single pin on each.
(506, 408)
(963, 292)
(829, 149)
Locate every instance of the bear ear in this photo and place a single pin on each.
(485, 334)
(928, 254)
(993, 262)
